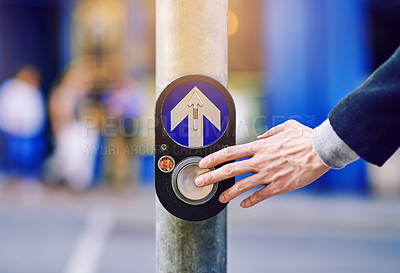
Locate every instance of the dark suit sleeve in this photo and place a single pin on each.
(368, 119)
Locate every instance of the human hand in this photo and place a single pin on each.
(282, 159)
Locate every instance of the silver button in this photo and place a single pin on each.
(183, 182)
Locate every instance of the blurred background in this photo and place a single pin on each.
(76, 134)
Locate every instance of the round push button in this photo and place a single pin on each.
(183, 182)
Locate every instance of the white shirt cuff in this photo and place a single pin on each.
(330, 148)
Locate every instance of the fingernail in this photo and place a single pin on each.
(199, 181)
(243, 203)
(222, 199)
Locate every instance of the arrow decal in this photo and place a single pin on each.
(195, 105)
(195, 102)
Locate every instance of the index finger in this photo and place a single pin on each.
(271, 132)
(226, 154)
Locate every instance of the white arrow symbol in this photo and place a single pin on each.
(195, 105)
(195, 101)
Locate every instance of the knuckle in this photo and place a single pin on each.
(252, 166)
(253, 148)
(229, 194)
(255, 164)
(213, 159)
(205, 178)
(263, 177)
(227, 152)
(291, 122)
(228, 170)
(294, 124)
(210, 178)
(278, 191)
(258, 196)
(241, 186)
(250, 202)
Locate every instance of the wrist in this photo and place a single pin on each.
(332, 151)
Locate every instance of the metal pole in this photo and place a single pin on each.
(191, 37)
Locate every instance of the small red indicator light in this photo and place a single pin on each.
(166, 164)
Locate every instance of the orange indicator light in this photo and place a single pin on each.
(166, 164)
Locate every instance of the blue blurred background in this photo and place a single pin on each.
(76, 130)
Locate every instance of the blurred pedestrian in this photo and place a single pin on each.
(76, 141)
(22, 124)
(123, 105)
(366, 124)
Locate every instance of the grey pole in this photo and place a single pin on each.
(191, 37)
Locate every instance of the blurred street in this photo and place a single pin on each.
(78, 90)
(49, 230)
